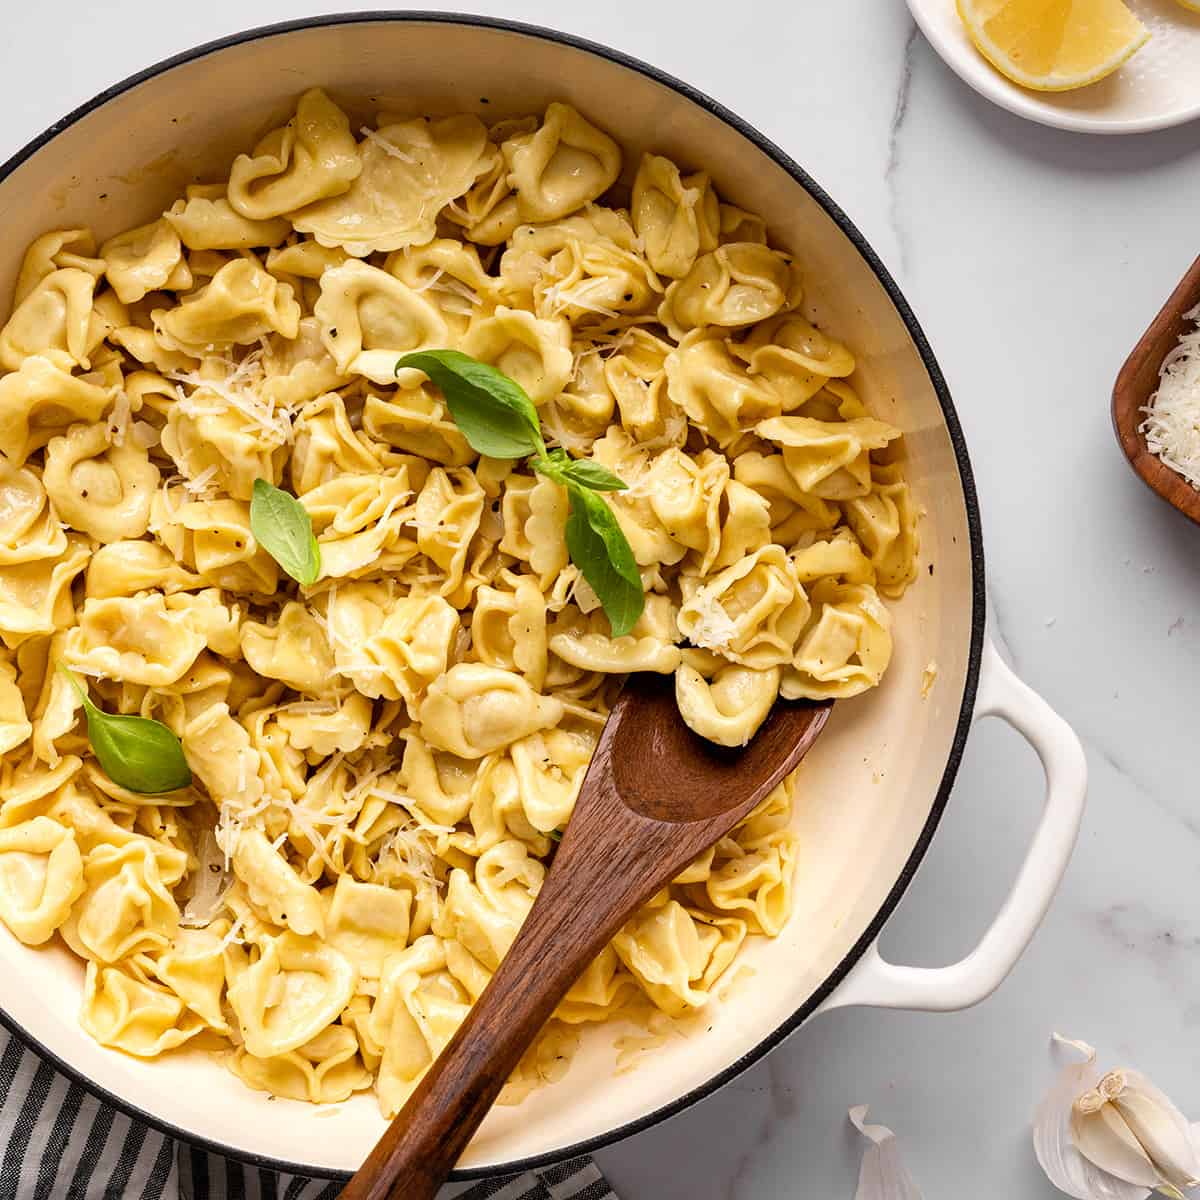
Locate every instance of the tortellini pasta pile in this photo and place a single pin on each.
(382, 761)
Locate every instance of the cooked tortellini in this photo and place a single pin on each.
(239, 305)
(134, 1015)
(54, 321)
(383, 759)
(473, 710)
(677, 216)
(561, 166)
(410, 171)
(41, 877)
(29, 527)
(41, 399)
(148, 639)
(312, 157)
(734, 285)
(369, 319)
(752, 612)
(205, 220)
(295, 990)
(728, 707)
(143, 260)
(99, 488)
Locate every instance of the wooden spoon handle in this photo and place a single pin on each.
(591, 890)
(412, 1160)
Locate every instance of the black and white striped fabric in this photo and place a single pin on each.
(58, 1142)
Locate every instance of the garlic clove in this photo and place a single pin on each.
(1160, 1128)
(1101, 1135)
(882, 1175)
(1064, 1166)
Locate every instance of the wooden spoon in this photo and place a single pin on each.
(654, 797)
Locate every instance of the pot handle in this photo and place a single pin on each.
(878, 983)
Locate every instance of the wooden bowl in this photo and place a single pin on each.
(1138, 381)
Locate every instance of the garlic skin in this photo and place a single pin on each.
(882, 1175)
(1112, 1137)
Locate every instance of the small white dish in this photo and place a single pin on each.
(1158, 87)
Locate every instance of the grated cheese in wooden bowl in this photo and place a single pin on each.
(1172, 424)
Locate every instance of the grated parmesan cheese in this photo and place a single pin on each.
(674, 433)
(82, 669)
(560, 298)
(421, 287)
(582, 594)
(1172, 424)
(407, 803)
(237, 390)
(145, 435)
(200, 486)
(118, 419)
(390, 148)
(316, 708)
(210, 884)
(447, 285)
(604, 342)
(455, 287)
(460, 214)
(235, 932)
(715, 629)
(409, 848)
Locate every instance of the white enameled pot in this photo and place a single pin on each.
(874, 787)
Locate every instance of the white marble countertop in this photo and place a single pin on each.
(1034, 259)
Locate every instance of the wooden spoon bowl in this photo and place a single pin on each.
(654, 797)
(1138, 381)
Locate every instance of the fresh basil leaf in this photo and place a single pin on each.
(593, 476)
(136, 753)
(553, 465)
(499, 420)
(282, 527)
(599, 549)
(492, 411)
(562, 468)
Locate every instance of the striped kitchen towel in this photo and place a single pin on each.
(61, 1143)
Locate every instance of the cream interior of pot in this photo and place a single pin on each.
(868, 787)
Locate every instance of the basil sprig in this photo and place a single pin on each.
(499, 420)
(282, 527)
(136, 753)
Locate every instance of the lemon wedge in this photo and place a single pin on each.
(1053, 45)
